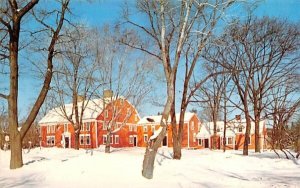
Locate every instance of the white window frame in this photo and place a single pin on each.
(104, 126)
(66, 127)
(130, 139)
(194, 137)
(239, 129)
(227, 140)
(145, 128)
(117, 139)
(106, 113)
(111, 139)
(104, 138)
(153, 129)
(192, 125)
(145, 138)
(50, 138)
(130, 127)
(134, 128)
(84, 139)
(200, 143)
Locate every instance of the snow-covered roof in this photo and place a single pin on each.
(204, 132)
(234, 125)
(156, 119)
(92, 110)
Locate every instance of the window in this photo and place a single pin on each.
(104, 139)
(50, 140)
(86, 126)
(132, 128)
(194, 137)
(135, 117)
(135, 128)
(145, 138)
(130, 139)
(104, 127)
(111, 139)
(249, 140)
(192, 125)
(229, 141)
(106, 113)
(65, 127)
(128, 112)
(117, 139)
(84, 139)
(145, 128)
(51, 129)
(199, 142)
(152, 129)
(240, 129)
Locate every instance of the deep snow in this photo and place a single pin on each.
(56, 167)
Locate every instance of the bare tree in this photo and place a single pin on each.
(123, 72)
(284, 104)
(258, 52)
(74, 79)
(174, 28)
(11, 15)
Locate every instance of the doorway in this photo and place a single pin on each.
(67, 142)
(206, 143)
(165, 141)
(134, 141)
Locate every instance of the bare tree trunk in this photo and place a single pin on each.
(247, 133)
(76, 146)
(257, 141)
(107, 144)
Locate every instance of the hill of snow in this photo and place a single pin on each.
(56, 167)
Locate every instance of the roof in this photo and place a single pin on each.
(234, 125)
(56, 115)
(156, 119)
(204, 132)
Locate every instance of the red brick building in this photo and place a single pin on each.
(56, 130)
(150, 125)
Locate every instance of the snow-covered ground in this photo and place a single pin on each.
(55, 167)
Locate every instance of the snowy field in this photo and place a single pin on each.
(55, 167)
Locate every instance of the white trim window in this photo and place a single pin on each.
(106, 113)
(85, 139)
(104, 139)
(65, 127)
(194, 137)
(111, 139)
(240, 129)
(104, 126)
(135, 128)
(192, 125)
(117, 139)
(145, 138)
(199, 142)
(86, 126)
(50, 140)
(131, 127)
(145, 128)
(51, 129)
(130, 139)
(228, 140)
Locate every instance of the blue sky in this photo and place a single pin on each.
(108, 11)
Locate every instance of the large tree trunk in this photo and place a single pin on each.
(257, 139)
(16, 160)
(107, 145)
(148, 163)
(176, 150)
(76, 146)
(247, 133)
(15, 137)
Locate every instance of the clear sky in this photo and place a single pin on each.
(108, 11)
